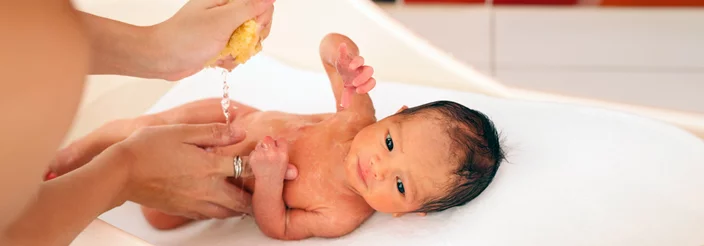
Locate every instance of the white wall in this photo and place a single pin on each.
(647, 56)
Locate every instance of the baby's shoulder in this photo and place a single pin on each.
(352, 121)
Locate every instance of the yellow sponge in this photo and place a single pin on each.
(243, 44)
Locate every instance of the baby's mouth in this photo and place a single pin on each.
(361, 173)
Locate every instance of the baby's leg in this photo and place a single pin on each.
(162, 221)
(204, 111)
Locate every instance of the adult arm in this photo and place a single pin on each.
(39, 98)
(81, 151)
(66, 205)
(162, 167)
(42, 67)
(175, 48)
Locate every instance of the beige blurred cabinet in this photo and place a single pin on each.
(645, 56)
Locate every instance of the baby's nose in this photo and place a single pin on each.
(379, 170)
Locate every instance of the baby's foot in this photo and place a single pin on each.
(356, 76)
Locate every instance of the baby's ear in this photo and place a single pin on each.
(396, 215)
(404, 107)
(421, 213)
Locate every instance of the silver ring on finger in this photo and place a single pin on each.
(237, 164)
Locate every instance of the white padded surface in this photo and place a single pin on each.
(575, 176)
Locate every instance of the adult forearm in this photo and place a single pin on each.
(121, 48)
(66, 205)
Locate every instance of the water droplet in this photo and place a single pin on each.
(225, 102)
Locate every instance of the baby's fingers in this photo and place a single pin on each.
(342, 51)
(271, 150)
(365, 73)
(367, 86)
(356, 63)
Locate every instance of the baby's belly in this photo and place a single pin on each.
(301, 193)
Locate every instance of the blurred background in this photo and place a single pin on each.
(643, 52)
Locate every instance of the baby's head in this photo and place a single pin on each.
(424, 159)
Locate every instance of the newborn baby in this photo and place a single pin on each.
(422, 159)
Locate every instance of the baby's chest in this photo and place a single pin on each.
(315, 184)
(309, 190)
(274, 123)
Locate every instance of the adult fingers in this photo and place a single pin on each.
(227, 63)
(265, 30)
(230, 199)
(216, 134)
(266, 16)
(227, 168)
(66, 161)
(212, 210)
(264, 20)
(83, 150)
(226, 165)
(78, 154)
(237, 12)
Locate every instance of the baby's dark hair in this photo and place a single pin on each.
(475, 142)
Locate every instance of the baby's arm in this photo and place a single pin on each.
(268, 162)
(349, 78)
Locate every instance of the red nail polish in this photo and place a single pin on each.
(50, 176)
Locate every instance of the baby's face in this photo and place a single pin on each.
(399, 163)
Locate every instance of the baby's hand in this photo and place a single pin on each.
(356, 76)
(269, 160)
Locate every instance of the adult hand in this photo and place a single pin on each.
(81, 151)
(201, 29)
(169, 170)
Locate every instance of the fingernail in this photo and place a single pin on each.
(50, 176)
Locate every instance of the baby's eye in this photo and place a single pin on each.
(399, 186)
(389, 142)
